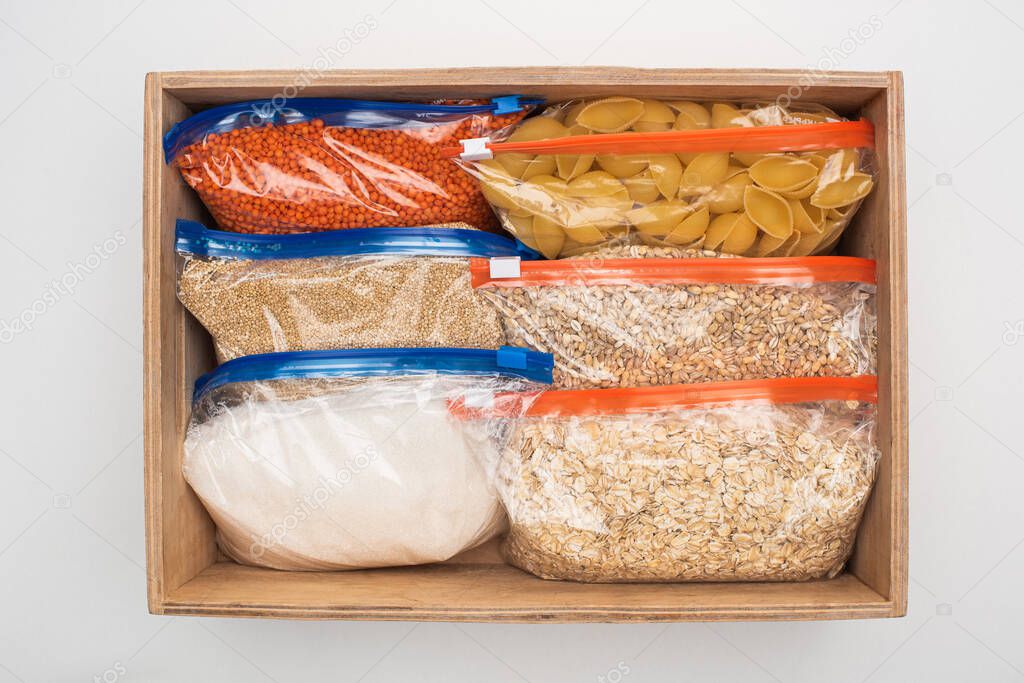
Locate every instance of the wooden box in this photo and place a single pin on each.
(186, 575)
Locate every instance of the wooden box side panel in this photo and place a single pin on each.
(179, 533)
(880, 556)
(498, 592)
(843, 90)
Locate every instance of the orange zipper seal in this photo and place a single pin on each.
(662, 271)
(863, 389)
(660, 399)
(792, 138)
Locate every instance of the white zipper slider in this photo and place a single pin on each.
(505, 266)
(475, 149)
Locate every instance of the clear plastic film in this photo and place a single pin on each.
(749, 179)
(322, 472)
(727, 482)
(322, 164)
(619, 322)
(377, 287)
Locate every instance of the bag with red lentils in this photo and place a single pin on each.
(313, 164)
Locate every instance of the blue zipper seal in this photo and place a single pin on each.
(508, 361)
(195, 239)
(334, 111)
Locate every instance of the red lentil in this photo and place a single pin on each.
(303, 177)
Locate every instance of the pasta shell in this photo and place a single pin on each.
(806, 218)
(719, 229)
(658, 218)
(839, 213)
(807, 244)
(727, 197)
(572, 113)
(657, 116)
(538, 128)
(749, 158)
(696, 244)
(611, 115)
(543, 194)
(622, 166)
(734, 169)
(609, 206)
(841, 163)
(594, 184)
(497, 186)
(694, 115)
(741, 237)
(783, 173)
(570, 166)
(690, 228)
(654, 241)
(705, 171)
(767, 245)
(727, 116)
(691, 117)
(687, 157)
(522, 228)
(548, 236)
(642, 188)
(802, 192)
(520, 211)
(768, 211)
(685, 121)
(818, 160)
(842, 192)
(603, 213)
(553, 185)
(667, 172)
(526, 166)
(585, 234)
(787, 247)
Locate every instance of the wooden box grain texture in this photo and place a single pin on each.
(186, 575)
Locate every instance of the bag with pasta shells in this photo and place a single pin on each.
(758, 180)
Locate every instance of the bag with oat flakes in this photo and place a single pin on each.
(762, 480)
(628, 322)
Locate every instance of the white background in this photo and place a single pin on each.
(72, 584)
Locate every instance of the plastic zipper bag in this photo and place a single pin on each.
(379, 287)
(645, 321)
(323, 164)
(754, 180)
(350, 459)
(761, 480)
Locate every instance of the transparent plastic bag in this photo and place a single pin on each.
(323, 164)
(646, 321)
(350, 459)
(372, 287)
(737, 481)
(746, 179)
